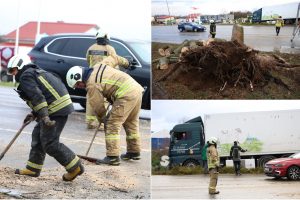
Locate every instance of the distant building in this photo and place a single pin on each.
(27, 32)
(222, 18)
(195, 17)
(160, 140)
(28, 38)
(164, 19)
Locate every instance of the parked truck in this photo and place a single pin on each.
(288, 12)
(266, 135)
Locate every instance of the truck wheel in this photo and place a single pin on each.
(293, 173)
(264, 159)
(190, 163)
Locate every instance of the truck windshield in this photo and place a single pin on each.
(177, 136)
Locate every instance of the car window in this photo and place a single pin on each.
(77, 47)
(57, 45)
(120, 49)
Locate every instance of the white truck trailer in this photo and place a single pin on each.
(287, 11)
(266, 135)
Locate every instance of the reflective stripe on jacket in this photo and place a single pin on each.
(46, 94)
(97, 53)
(107, 82)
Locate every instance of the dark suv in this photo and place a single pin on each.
(58, 53)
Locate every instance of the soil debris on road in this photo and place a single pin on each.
(98, 181)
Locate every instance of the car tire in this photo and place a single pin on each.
(195, 30)
(191, 163)
(181, 29)
(293, 173)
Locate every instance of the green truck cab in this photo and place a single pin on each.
(186, 143)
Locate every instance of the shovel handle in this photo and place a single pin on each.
(14, 139)
(92, 141)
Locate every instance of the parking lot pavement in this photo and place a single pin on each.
(230, 187)
(262, 38)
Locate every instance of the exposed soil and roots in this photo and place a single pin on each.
(227, 65)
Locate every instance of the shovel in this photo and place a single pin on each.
(14, 138)
(86, 157)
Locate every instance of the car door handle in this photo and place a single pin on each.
(60, 61)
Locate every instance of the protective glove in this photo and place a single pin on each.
(48, 122)
(30, 117)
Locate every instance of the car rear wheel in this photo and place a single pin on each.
(293, 173)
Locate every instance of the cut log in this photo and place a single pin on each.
(164, 63)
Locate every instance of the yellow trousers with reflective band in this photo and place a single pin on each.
(213, 180)
(90, 115)
(124, 112)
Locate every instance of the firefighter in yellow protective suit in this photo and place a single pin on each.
(213, 160)
(125, 95)
(95, 54)
(279, 23)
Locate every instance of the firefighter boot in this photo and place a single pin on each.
(70, 176)
(27, 172)
(109, 160)
(133, 156)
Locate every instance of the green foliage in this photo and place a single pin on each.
(9, 84)
(178, 170)
(230, 170)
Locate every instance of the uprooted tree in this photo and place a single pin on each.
(230, 64)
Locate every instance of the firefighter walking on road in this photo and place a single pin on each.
(125, 95)
(213, 160)
(51, 104)
(236, 157)
(212, 28)
(279, 23)
(95, 54)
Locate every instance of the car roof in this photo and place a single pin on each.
(50, 37)
(76, 35)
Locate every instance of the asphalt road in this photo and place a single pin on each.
(259, 37)
(230, 187)
(75, 136)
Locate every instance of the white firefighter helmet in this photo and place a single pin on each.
(18, 61)
(213, 140)
(102, 34)
(74, 75)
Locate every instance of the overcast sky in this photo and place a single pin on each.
(167, 113)
(184, 7)
(126, 19)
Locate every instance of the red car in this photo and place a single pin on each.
(284, 167)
